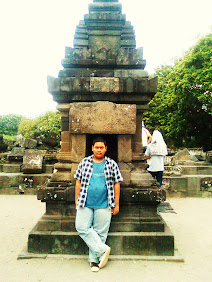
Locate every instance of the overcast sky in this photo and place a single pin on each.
(34, 34)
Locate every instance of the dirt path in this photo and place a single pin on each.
(191, 225)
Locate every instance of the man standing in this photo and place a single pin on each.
(97, 194)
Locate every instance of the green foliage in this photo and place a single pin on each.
(182, 107)
(26, 128)
(10, 137)
(41, 127)
(9, 124)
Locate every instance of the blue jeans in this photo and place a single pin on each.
(93, 226)
(158, 175)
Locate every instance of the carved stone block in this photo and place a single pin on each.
(104, 84)
(33, 161)
(102, 118)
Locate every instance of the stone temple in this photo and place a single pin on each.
(103, 90)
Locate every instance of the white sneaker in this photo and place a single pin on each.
(104, 258)
(94, 266)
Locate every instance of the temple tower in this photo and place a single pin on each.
(103, 89)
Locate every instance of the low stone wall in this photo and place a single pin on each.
(20, 183)
(24, 170)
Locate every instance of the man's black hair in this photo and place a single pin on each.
(99, 139)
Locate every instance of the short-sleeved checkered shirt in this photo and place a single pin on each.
(84, 172)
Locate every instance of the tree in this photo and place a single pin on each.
(41, 127)
(9, 124)
(182, 107)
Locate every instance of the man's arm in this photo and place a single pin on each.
(77, 191)
(115, 210)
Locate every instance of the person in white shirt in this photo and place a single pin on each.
(156, 152)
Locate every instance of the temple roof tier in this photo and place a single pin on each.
(104, 63)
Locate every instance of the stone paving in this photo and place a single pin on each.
(191, 225)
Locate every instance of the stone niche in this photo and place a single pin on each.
(103, 90)
(89, 120)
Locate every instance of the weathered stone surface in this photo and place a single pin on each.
(64, 157)
(105, 6)
(124, 148)
(125, 169)
(13, 180)
(104, 84)
(11, 168)
(65, 152)
(26, 143)
(209, 156)
(61, 176)
(10, 180)
(78, 147)
(206, 184)
(33, 161)
(152, 85)
(129, 85)
(140, 178)
(16, 154)
(102, 118)
(50, 157)
(50, 140)
(143, 87)
(135, 243)
(170, 170)
(48, 168)
(130, 57)
(80, 42)
(63, 166)
(130, 73)
(65, 141)
(193, 183)
(197, 154)
(105, 1)
(64, 123)
(74, 168)
(103, 57)
(182, 155)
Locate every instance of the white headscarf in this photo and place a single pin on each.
(158, 145)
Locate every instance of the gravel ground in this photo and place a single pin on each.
(191, 226)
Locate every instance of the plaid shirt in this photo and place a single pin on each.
(84, 172)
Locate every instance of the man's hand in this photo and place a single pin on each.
(77, 191)
(115, 210)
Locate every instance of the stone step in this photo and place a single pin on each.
(196, 170)
(121, 243)
(192, 163)
(129, 226)
(16, 168)
(190, 185)
(191, 169)
(27, 181)
(67, 224)
(11, 168)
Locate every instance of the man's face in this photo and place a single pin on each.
(99, 149)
